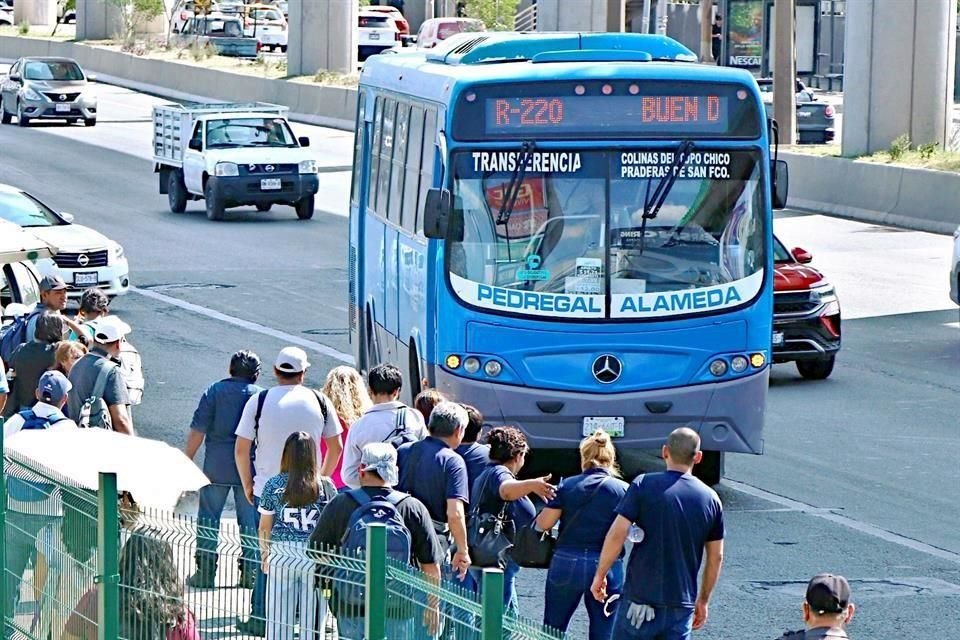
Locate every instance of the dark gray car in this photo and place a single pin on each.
(47, 88)
(815, 119)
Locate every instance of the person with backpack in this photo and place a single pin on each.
(33, 504)
(388, 420)
(410, 539)
(268, 419)
(53, 299)
(290, 508)
(214, 426)
(99, 396)
(31, 359)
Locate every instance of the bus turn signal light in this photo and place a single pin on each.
(453, 362)
(757, 360)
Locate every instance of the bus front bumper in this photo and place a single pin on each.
(728, 415)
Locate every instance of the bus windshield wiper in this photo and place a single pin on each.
(512, 190)
(652, 202)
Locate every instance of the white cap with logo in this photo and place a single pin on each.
(292, 360)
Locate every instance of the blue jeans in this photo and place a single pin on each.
(20, 541)
(353, 628)
(568, 581)
(258, 597)
(669, 623)
(510, 601)
(212, 499)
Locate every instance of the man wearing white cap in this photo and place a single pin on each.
(267, 421)
(98, 382)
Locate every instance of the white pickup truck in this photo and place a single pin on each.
(232, 155)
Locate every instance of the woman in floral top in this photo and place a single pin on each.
(290, 508)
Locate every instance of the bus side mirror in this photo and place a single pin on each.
(781, 184)
(437, 214)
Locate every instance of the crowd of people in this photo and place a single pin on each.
(310, 470)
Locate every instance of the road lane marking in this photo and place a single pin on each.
(846, 521)
(246, 324)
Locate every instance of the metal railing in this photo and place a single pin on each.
(526, 19)
(93, 565)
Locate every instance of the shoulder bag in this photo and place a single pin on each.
(486, 533)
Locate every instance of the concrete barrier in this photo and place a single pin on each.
(907, 197)
(311, 103)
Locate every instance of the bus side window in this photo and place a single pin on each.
(387, 143)
(427, 161)
(411, 188)
(358, 148)
(397, 214)
(375, 155)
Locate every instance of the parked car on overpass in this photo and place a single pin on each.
(224, 33)
(815, 118)
(266, 24)
(377, 32)
(435, 30)
(402, 25)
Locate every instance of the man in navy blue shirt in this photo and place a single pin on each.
(432, 472)
(476, 455)
(677, 518)
(215, 421)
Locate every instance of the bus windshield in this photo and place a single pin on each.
(575, 242)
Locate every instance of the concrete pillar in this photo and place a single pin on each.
(898, 73)
(785, 71)
(616, 15)
(584, 15)
(323, 36)
(37, 13)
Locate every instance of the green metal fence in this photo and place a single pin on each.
(85, 565)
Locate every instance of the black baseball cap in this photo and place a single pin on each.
(52, 283)
(828, 593)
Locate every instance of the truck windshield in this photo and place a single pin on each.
(575, 236)
(249, 132)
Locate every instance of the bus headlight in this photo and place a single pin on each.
(739, 364)
(226, 170)
(492, 368)
(718, 367)
(471, 365)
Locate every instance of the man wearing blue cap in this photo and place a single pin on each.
(52, 390)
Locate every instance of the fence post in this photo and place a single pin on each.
(375, 607)
(108, 563)
(491, 599)
(3, 536)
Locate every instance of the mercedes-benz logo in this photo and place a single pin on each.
(83, 260)
(269, 168)
(63, 97)
(607, 368)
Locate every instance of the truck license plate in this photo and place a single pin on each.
(63, 108)
(85, 278)
(778, 338)
(613, 426)
(270, 184)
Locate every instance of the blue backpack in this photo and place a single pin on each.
(30, 490)
(381, 510)
(14, 335)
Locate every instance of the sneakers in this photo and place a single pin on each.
(252, 627)
(205, 576)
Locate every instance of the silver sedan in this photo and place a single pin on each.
(47, 88)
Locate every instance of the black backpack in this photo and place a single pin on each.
(400, 434)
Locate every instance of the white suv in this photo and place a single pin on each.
(377, 33)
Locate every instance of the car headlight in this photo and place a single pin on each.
(308, 166)
(31, 94)
(823, 293)
(226, 169)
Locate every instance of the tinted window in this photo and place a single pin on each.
(426, 162)
(387, 143)
(59, 70)
(411, 188)
(374, 22)
(358, 152)
(375, 155)
(399, 159)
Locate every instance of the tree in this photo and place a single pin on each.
(498, 15)
(134, 16)
(66, 6)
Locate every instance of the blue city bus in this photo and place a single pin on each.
(569, 231)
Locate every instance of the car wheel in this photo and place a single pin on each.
(816, 369)
(283, 48)
(305, 208)
(90, 122)
(5, 117)
(215, 206)
(263, 207)
(22, 120)
(176, 192)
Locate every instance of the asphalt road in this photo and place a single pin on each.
(859, 474)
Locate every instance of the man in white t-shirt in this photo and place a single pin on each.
(267, 421)
(388, 420)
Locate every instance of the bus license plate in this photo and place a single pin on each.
(63, 108)
(270, 184)
(778, 338)
(85, 278)
(613, 426)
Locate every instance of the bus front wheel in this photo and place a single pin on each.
(710, 468)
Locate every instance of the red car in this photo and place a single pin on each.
(806, 314)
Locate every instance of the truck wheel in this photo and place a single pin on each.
(263, 207)
(710, 468)
(214, 203)
(176, 192)
(305, 208)
(816, 369)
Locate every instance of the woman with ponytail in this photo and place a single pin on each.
(585, 507)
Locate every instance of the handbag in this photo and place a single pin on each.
(534, 549)
(487, 535)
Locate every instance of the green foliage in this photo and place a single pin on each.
(23, 28)
(497, 15)
(201, 51)
(899, 147)
(134, 15)
(927, 150)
